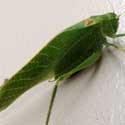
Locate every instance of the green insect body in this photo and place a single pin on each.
(74, 49)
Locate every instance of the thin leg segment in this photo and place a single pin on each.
(116, 46)
(119, 35)
(52, 102)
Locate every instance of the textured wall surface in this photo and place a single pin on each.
(92, 97)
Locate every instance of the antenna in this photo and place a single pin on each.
(111, 5)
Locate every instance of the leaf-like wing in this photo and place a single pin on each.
(47, 63)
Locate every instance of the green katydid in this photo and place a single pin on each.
(74, 49)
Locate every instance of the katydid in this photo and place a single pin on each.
(74, 49)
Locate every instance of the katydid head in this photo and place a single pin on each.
(109, 23)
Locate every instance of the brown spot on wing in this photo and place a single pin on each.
(89, 22)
